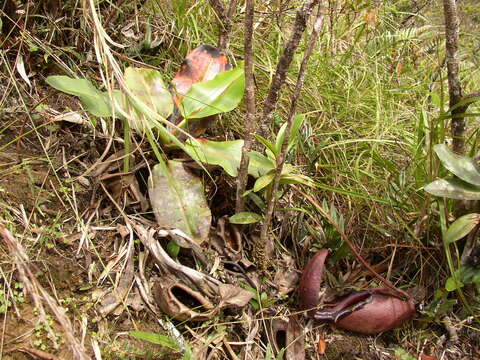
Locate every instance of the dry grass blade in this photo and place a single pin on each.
(40, 295)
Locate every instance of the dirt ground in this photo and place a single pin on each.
(46, 201)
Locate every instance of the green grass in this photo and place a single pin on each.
(375, 94)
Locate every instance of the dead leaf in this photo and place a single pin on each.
(427, 357)
(322, 345)
(228, 240)
(295, 340)
(180, 302)
(178, 200)
(201, 64)
(286, 277)
(231, 295)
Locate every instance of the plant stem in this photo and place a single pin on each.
(446, 247)
(225, 20)
(454, 84)
(280, 160)
(250, 121)
(301, 18)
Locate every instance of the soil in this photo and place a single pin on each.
(46, 201)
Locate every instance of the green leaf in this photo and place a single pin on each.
(188, 353)
(263, 181)
(454, 189)
(94, 101)
(158, 339)
(245, 218)
(453, 284)
(173, 249)
(221, 94)
(462, 166)
(178, 200)
(259, 164)
(226, 154)
(297, 123)
(461, 227)
(148, 88)
(469, 274)
(267, 144)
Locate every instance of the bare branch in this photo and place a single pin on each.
(225, 20)
(293, 107)
(472, 96)
(301, 19)
(454, 84)
(250, 121)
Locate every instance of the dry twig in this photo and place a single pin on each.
(250, 121)
(458, 126)
(293, 107)
(301, 18)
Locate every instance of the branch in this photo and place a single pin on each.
(293, 107)
(471, 96)
(225, 20)
(301, 19)
(250, 122)
(454, 85)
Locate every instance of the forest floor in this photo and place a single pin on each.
(73, 238)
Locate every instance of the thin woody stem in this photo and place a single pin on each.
(293, 106)
(454, 84)
(250, 122)
(278, 81)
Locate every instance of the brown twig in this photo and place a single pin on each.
(250, 122)
(351, 246)
(280, 160)
(458, 126)
(301, 18)
(225, 20)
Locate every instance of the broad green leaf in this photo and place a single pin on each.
(94, 101)
(263, 181)
(454, 189)
(158, 339)
(245, 218)
(147, 87)
(226, 154)
(453, 284)
(259, 164)
(221, 94)
(178, 200)
(267, 144)
(461, 227)
(462, 166)
(297, 123)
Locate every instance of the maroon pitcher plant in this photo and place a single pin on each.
(369, 311)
